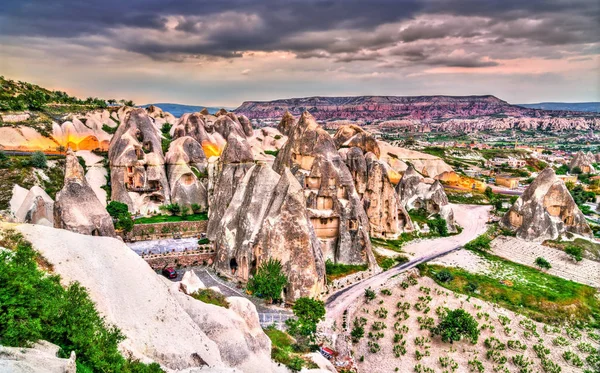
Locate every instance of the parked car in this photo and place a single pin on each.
(169, 272)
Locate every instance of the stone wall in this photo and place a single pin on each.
(180, 259)
(156, 231)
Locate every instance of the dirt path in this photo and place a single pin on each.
(472, 218)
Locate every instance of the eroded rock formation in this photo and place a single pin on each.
(545, 211)
(334, 207)
(137, 164)
(187, 172)
(381, 203)
(288, 236)
(354, 136)
(77, 207)
(583, 161)
(416, 192)
(42, 357)
(32, 206)
(233, 164)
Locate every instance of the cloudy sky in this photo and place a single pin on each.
(222, 52)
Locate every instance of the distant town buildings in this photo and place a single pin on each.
(508, 181)
(510, 162)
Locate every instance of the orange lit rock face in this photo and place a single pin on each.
(211, 149)
(394, 176)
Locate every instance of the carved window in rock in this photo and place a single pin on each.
(312, 182)
(332, 181)
(353, 224)
(324, 203)
(139, 136)
(233, 264)
(157, 198)
(342, 192)
(326, 227)
(515, 219)
(95, 232)
(188, 179)
(129, 169)
(554, 210)
(139, 153)
(153, 184)
(147, 147)
(568, 220)
(128, 181)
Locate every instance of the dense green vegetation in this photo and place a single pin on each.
(211, 297)
(34, 306)
(121, 216)
(395, 245)
(523, 289)
(268, 281)
(283, 349)
(456, 324)
(171, 218)
(470, 198)
(19, 170)
(338, 270)
(309, 312)
(386, 262)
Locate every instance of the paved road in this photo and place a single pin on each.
(495, 189)
(472, 218)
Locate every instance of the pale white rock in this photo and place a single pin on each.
(191, 283)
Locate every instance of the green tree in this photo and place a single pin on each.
(576, 170)
(269, 281)
(489, 193)
(457, 324)
(562, 170)
(439, 226)
(574, 252)
(542, 263)
(481, 243)
(308, 313)
(121, 216)
(38, 159)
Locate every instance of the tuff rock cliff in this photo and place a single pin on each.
(417, 192)
(267, 219)
(334, 207)
(584, 161)
(545, 211)
(137, 164)
(77, 207)
(187, 172)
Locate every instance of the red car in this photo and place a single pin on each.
(169, 272)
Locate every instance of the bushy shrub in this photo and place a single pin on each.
(38, 159)
(457, 324)
(120, 213)
(444, 276)
(269, 281)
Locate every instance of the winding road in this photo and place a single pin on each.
(472, 218)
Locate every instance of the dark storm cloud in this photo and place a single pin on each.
(341, 30)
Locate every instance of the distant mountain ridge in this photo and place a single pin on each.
(178, 110)
(381, 108)
(591, 107)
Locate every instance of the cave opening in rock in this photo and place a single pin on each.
(233, 264)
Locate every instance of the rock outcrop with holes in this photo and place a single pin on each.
(417, 192)
(187, 172)
(334, 207)
(160, 323)
(33, 206)
(77, 207)
(545, 211)
(583, 161)
(354, 136)
(42, 357)
(200, 128)
(387, 217)
(233, 164)
(267, 219)
(137, 164)
(288, 235)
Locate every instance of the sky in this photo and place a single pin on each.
(224, 52)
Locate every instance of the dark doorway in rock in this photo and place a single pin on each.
(95, 232)
(233, 265)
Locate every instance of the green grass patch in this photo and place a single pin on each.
(396, 244)
(272, 152)
(211, 297)
(282, 349)
(591, 250)
(338, 270)
(468, 198)
(387, 262)
(171, 218)
(523, 289)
